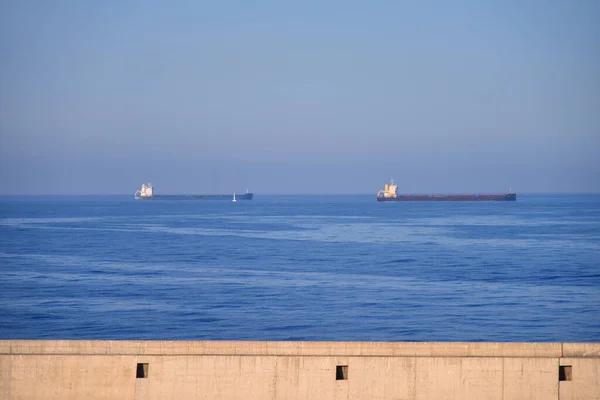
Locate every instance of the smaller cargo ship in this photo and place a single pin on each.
(147, 192)
(390, 193)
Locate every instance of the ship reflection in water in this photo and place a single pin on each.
(147, 193)
(390, 193)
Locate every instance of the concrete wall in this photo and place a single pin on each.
(297, 370)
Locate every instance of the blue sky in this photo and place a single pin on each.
(299, 97)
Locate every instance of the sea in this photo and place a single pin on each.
(300, 268)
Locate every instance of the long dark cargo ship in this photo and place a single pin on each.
(147, 193)
(390, 193)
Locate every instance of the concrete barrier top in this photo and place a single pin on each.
(384, 349)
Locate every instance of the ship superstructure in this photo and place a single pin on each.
(146, 192)
(390, 193)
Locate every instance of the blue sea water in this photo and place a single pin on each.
(300, 268)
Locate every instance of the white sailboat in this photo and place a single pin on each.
(234, 200)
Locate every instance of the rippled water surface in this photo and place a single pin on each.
(300, 268)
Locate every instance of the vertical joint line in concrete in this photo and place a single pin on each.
(558, 374)
(414, 361)
(275, 377)
(503, 359)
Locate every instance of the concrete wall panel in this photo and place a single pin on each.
(530, 378)
(438, 378)
(296, 370)
(70, 377)
(6, 363)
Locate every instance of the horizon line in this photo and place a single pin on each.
(282, 194)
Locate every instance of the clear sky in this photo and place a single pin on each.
(299, 96)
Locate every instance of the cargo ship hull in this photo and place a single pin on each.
(390, 193)
(244, 196)
(434, 198)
